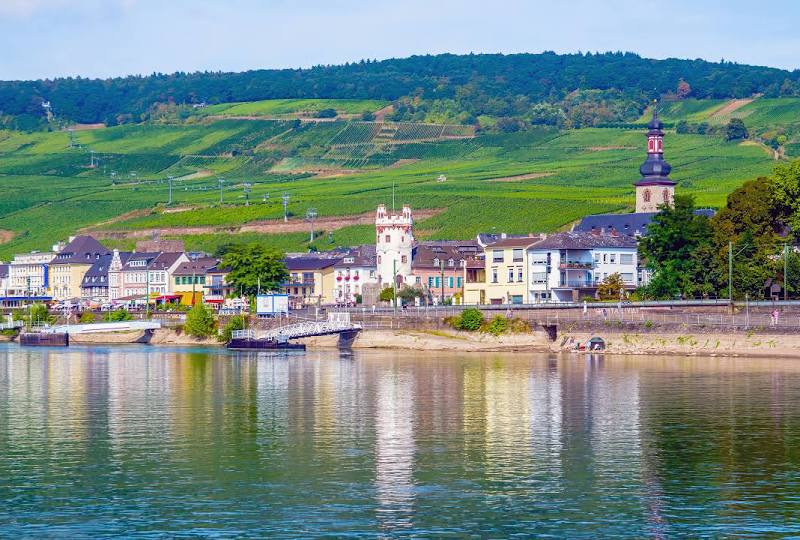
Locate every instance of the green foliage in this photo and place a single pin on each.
(497, 326)
(253, 266)
(237, 322)
(200, 322)
(326, 113)
(87, 317)
(386, 295)
(611, 288)
(118, 315)
(38, 314)
(470, 320)
(409, 294)
(736, 130)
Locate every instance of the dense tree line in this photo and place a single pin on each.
(691, 254)
(543, 88)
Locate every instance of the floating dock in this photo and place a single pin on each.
(41, 339)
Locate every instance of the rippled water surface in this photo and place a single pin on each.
(146, 441)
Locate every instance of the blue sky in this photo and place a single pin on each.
(101, 38)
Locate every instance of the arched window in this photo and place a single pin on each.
(646, 195)
(665, 195)
(436, 261)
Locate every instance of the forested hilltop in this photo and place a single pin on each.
(519, 90)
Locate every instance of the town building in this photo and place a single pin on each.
(311, 279)
(131, 276)
(160, 272)
(394, 246)
(568, 266)
(70, 264)
(217, 287)
(356, 268)
(5, 282)
(505, 273)
(95, 285)
(440, 267)
(29, 275)
(190, 280)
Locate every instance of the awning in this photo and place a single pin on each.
(215, 300)
(169, 297)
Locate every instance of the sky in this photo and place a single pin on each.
(105, 38)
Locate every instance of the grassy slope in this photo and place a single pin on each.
(50, 191)
(277, 107)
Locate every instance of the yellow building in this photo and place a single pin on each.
(70, 265)
(504, 276)
(190, 280)
(312, 280)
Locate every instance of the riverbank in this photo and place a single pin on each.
(762, 344)
(438, 340)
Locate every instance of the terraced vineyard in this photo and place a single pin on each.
(115, 179)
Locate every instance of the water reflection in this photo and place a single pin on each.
(146, 440)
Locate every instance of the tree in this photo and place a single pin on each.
(199, 322)
(38, 314)
(611, 288)
(736, 130)
(118, 315)
(368, 116)
(677, 249)
(387, 295)
(327, 113)
(253, 265)
(408, 294)
(87, 317)
(684, 90)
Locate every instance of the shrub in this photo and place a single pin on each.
(470, 320)
(118, 315)
(38, 314)
(327, 113)
(387, 295)
(498, 325)
(237, 322)
(199, 322)
(87, 317)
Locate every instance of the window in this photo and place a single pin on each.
(626, 258)
(436, 262)
(516, 299)
(612, 258)
(450, 282)
(451, 262)
(437, 283)
(418, 280)
(404, 259)
(497, 255)
(539, 277)
(665, 195)
(511, 275)
(430, 282)
(646, 195)
(627, 277)
(308, 277)
(494, 275)
(517, 255)
(597, 258)
(605, 258)
(388, 238)
(519, 274)
(348, 260)
(459, 282)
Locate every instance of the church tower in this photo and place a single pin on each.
(655, 188)
(394, 245)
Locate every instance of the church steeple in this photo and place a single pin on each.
(655, 188)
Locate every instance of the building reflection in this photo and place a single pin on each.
(394, 450)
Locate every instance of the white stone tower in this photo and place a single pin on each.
(394, 245)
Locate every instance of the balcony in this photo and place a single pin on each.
(576, 265)
(576, 284)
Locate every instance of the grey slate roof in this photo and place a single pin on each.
(81, 250)
(584, 240)
(3, 270)
(309, 263)
(634, 224)
(197, 266)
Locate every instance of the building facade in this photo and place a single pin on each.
(394, 245)
(191, 278)
(565, 267)
(70, 265)
(29, 274)
(440, 267)
(311, 280)
(356, 268)
(505, 275)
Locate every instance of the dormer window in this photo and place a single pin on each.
(436, 261)
(451, 262)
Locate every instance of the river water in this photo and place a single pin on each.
(147, 441)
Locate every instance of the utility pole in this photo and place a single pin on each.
(247, 186)
(394, 283)
(730, 274)
(441, 289)
(785, 272)
(285, 202)
(311, 214)
(221, 184)
(169, 180)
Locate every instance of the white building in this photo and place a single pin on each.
(394, 246)
(29, 274)
(355, 269)
(565, 267)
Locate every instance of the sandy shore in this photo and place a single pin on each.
(687, 344)
(438, 340)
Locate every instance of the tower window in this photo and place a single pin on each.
(388, 238)
(665, 194)
(404, 259)
(646, 195)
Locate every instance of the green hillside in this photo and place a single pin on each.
(113, 181)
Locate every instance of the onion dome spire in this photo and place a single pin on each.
(655, 170)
